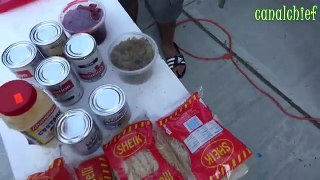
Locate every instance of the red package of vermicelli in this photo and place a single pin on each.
(57, 171)
(204, 146)
(134, 154)
(96, 168)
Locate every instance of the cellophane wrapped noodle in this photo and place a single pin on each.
(57, 170)
(136, 154)
(201, 144)
(94, 168)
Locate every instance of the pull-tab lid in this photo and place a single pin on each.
(52, 71)
(80, 45)
(19, 54)
(73, 126)
(106, 100)
(16, 97)
(46, 33)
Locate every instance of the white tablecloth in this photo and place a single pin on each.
(154, 98)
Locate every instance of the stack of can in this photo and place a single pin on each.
(50, 59)
(57, 63)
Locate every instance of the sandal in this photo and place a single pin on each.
(175, 61)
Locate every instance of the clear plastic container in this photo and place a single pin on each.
(134, 76)
(85, 17)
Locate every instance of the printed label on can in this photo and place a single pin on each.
(67, 93)
(24, 74)
(91, 142)
(43, 130)
(91, 67)
(28, 71)
(56, 48)
(94, 140)
(116, 119)
(63, 89)
(92, 70)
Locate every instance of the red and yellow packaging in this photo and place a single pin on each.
(214, 152)
(94, 169)
(57, 171)
(133, 155)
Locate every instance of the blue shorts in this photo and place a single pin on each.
(163, 11)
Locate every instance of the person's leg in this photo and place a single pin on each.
(131, 6)
(165, 12)
(167, 35)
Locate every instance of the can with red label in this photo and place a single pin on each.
(81, 50)
(57, 77)
(22, 59)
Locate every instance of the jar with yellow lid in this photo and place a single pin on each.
(28, 110)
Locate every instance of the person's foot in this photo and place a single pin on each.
(175, 59)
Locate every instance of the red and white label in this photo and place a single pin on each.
(213, 150)
(64, 88)
(24, 74)
(137, 138)
(97, 71)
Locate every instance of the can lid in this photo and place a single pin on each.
(73, 126)
(45, 33)
(80, 45)
(107, 99)
(52, 71)
(19, 54)
(16, 97)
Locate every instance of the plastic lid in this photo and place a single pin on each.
(16, 97)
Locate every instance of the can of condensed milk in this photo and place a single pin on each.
(49, 37)
(77, 129)
(56, 76)
(81, 50)
(22, 58)
(108, 102)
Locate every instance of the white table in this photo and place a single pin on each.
(155, 98)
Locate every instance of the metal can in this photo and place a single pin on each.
(56, 76)
(77, 129)
(49, 37)
(108, 102)
(81, 49)
(22, 58)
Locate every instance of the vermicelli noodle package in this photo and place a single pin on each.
(56, 171)
(201, 143)
(96, 168)
(134, 154)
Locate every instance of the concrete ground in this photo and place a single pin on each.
(281, 57)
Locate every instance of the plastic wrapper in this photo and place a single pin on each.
(6, 5)
(134, 154)
(56, 171)
(202, 144)
(96, 168)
